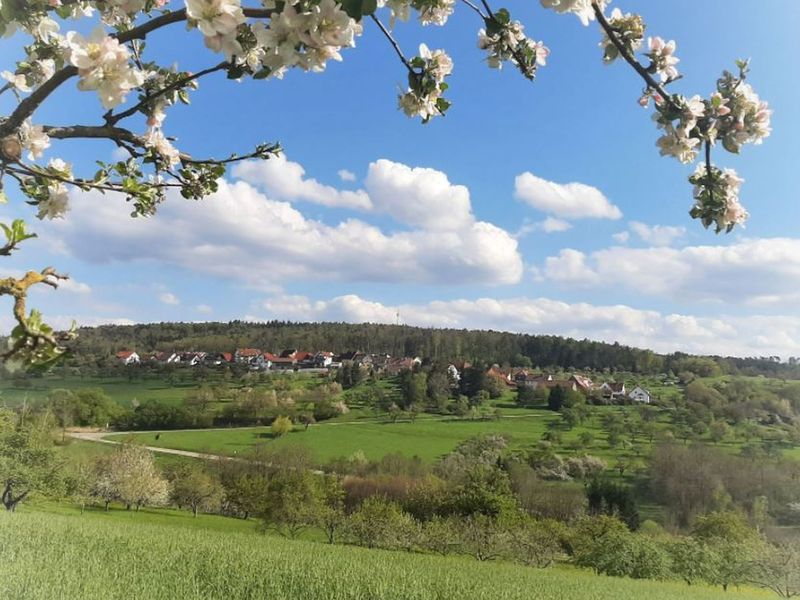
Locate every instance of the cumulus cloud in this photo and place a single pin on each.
(549, 225)
(204, 309)
(169, 298)
(726, 335)
(283, 179)
(752, 271)
(621, 237)
(567, 201)
(657, 235)
(239, 233)
(346, 175)
(418, 196)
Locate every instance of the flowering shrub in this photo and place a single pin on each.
(267, 39)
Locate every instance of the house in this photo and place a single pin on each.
(218, 358)
(128, 357)
(500, 374)
(323, 360)
(582, 384)
(453, 374)
(192, 359)
(613, 390)
(639, 394)
(398, 365)
(164, 358)
(246, 355)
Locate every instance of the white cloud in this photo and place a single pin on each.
(752, 271)
(418, 197)
(204, 308)
(622, 237)
(63, 322)
(169, 298)
(238, 233)
(727, 335)
(567, 201)
(346, 175)
(549, 225)
(657, 235)
(285, 180)
(75, 287)
(553, 225)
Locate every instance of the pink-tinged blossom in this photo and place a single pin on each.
(580, 8)
(663, 56)
(103, 65)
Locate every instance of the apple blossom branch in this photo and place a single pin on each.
(629, 57)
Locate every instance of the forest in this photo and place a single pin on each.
(485, 346)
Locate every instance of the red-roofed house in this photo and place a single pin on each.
(128, 357)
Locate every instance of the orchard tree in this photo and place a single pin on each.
(194, 487)
(29, 464)
(130, 476)
(100, 47)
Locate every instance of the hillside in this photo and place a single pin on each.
(487, 346)
(129, 559)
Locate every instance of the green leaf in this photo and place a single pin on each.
(502, 16)
(368, 7)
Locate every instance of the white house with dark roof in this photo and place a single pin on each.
(639, 394)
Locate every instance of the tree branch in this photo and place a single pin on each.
(475, 8)
(630, 59)
(394, 43)
(112, 119)
(29, 105)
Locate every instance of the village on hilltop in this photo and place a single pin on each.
(293, 360)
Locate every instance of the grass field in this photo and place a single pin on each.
(427, 438)
(119, 389)
(47, 556)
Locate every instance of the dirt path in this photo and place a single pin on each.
(98, 436)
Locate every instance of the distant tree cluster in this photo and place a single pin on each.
(97, 345)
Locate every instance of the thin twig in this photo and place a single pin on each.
(709, 178)
(178, 84)
(394, 43)
(475, 8)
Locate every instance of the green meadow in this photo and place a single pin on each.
(143, 555)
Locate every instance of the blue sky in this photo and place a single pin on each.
(442, 233)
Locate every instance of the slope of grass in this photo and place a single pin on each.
(45, 556)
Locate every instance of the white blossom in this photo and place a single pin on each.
(307, 39)
(157, 141)
(503, 45)
(218, 21)
(435, 12)
(46, 30)
(693, 109)
(747, 120)
(103, 65)
(675, 142)
(414, 105)
(18, 81)
(400, 9)
(580, 8)
(33, 139)
(439, 64)
(663, 56)
(56, 205)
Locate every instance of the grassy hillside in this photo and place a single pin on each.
(45, 556)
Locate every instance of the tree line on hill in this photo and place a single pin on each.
(480, 500)
(99, 344)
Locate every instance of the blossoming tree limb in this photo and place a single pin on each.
(264, 42)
